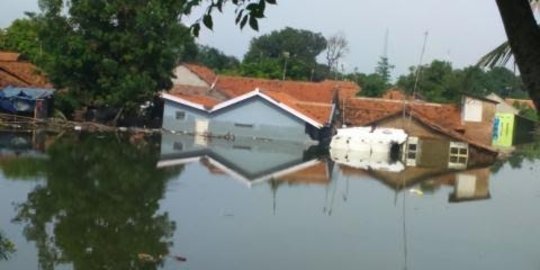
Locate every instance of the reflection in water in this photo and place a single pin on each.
(98, 208)
(249, 161)
(6, 247)
(103, 202)
(253, 162)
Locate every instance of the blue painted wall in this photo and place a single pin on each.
(252, 118)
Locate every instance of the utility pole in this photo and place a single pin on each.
(286, 55)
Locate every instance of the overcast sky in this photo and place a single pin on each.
(460, 31)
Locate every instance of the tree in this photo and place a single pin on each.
(6, 247)
(22, 37)
(290, 52)
(119, 53)
(384, 69)
(523, 35)
(337, 47)
(112, 53)
(101, 196)
(373, 85)
(215, 59)
(437, 83)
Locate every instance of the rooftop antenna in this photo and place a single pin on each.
(419, 69)
(417, 77)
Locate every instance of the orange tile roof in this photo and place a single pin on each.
(203, 72)
(523, 102)
(347, 89)
(9, 56)
(306, 91)
(364, 111)
(234, 86)
(15, 72)
(206, 101)
(319, 112)
(394, 94)
(316, 174)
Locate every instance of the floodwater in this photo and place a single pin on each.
(115, 202)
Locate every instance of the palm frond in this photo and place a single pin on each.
(498, 56)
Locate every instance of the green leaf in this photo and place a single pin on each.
(239, 16)
(195, 29)
(272, 2)
(252, 6)
(253, 23)
(207, 20)
(243, 22)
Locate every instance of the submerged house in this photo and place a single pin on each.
(509, 127)
(462, 132)
(204, 103)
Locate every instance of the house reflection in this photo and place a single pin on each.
(253, 162)
(22, 143)
(247, 160)
(468, 183)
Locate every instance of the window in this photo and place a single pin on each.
(412, 151)
(178, 146)
(180, 115)
(243, 125)
(458, 155)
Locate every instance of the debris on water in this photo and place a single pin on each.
(143, 257)
(416, 191)
(179, 258)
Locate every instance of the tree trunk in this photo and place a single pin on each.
(524, 38)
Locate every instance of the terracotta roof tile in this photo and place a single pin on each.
(9, 56)
(7, 79)
(203, 72)
(394, 94)
(364, 111)
(316, 174)
(19, 73)
(319, 112)
(306, 91)
(347, 89)
(206, 101)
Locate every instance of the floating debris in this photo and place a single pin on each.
(416, 191)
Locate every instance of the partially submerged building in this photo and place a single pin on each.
(204, 103)
(509, 127)
(462, 132)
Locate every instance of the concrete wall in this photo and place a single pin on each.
(186, 77)
(481, 132)
(253, 118)
(188, 123)
(257, 117)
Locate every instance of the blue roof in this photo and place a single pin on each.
(29, 93)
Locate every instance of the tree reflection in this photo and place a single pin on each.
(528, 152)
(98, 208)
(6, 247)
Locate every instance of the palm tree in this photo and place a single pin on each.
(501, 55)
(523, 42)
